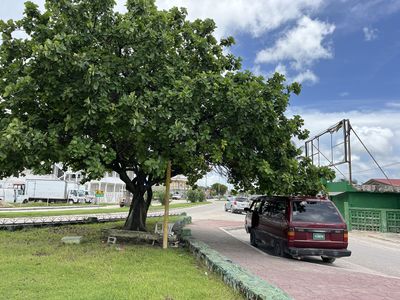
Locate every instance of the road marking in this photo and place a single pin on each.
(226, 230)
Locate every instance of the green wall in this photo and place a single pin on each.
(339, 187)
(339, 201)
(369, 210)
(374, 200)
(367, 200)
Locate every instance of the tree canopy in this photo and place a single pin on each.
(100, 90)
(219, 188)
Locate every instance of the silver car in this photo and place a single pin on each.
(237, 204)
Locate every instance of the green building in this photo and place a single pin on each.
(367, 207)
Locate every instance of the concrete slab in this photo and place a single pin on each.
(72, 239)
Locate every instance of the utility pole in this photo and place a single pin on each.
(166, 206)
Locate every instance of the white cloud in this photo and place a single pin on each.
(302, 45)
(393, 104)
(371, 10)
(370, 34)
(257, 71)
(281, 68)
(344, 94)
(255, 17)
(306, 77)
(213, 177)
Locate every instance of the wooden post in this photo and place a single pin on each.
(166, 206)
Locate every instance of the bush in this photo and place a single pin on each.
(196, 196)
(201, 196)
(160, 195)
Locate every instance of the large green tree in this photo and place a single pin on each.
(99, 90)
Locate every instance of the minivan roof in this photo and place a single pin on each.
(291, 198)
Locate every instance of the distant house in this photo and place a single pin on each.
(384, 182)
(179, 184)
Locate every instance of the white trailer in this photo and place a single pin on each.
(48, 190)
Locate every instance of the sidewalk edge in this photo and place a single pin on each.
(251, 286)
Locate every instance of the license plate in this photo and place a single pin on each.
(318, 236)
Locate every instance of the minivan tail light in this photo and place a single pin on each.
(345, 236)
(290, 234)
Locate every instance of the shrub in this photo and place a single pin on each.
(160, 195)
(201, 196)
(196, 196)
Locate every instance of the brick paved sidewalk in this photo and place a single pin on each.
(300, 279)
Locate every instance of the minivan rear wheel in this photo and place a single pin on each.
(278, 249)
(328, 260)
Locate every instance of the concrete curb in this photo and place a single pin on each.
(249, 285)
(384, 239)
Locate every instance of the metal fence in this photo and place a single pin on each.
(17, 223)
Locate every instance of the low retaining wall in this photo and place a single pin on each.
(251, 286)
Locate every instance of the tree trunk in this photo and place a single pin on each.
(148, 202)
(137, 216)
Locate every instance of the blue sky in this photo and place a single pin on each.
(346, 54)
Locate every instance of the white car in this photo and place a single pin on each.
(237, 204)
(176, 196)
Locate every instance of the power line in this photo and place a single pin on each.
(372, 169)
(373, 158)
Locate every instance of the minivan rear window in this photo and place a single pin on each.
(315, 211)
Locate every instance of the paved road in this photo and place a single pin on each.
(372, 272)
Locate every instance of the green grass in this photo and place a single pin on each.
(36, 265)
(89, 211)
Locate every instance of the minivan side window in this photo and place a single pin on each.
(266, 208)
(256, 206)
(278, 209)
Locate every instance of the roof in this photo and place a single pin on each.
(394, 182)
(179, 178)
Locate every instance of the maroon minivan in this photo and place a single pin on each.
(298, 226)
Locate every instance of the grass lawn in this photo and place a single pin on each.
(90, 211)
(36, 265)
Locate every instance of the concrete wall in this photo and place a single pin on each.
(370, 211)
(374, 200)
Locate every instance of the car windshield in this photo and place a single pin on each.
(315, 211)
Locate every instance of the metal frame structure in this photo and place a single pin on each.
(313, 150)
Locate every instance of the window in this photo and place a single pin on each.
(255, 206)
(315, 211)
(266, 208)
(278, 209)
